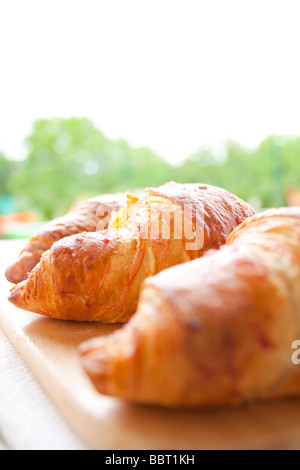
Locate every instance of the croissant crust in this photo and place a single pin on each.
(214, 331)
(84, 216)
(97, 276)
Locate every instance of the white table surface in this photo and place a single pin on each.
(28, 419)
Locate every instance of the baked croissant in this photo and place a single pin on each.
(88, 216)
(97, 276)
(214, 331)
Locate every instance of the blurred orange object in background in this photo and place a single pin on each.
(292, 195)
(9, 221)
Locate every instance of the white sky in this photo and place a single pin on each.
(167, 74)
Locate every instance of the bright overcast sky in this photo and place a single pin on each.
(168, 74)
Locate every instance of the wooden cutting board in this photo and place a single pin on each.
(49, 348)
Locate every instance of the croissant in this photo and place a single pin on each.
(213, 331)
(97, 276)
(86, 216)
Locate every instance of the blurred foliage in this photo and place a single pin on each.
(260, 175)
(68, 159)
(7, 170)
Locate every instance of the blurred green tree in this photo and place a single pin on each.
(261, 175)
(7, 168)
(70, 158)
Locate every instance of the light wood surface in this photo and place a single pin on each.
(49, 348)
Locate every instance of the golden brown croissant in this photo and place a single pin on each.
(97, 276)
(213, 331)
(88, 216)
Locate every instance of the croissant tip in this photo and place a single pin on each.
(95, 360)
(15, 274)
(16, 295)
(83, 349)
(86, 348)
